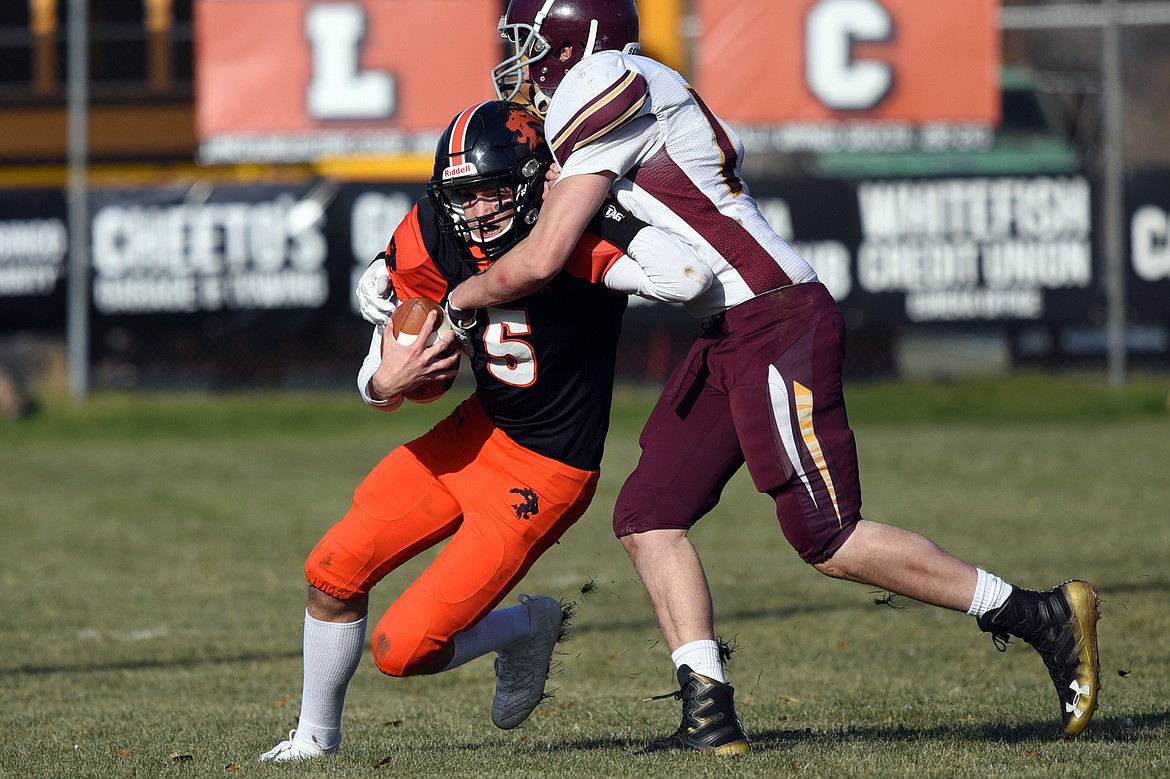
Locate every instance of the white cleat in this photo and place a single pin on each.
(293, 750)
(522, 671)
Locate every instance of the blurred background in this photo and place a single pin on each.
(189, 188)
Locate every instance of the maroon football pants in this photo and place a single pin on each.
(761, 385)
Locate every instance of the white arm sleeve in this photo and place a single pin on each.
(659, 267)
(366, 372)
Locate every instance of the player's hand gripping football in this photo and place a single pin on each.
(375, 295)
(405, 368)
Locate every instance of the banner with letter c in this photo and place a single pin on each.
(769, 62)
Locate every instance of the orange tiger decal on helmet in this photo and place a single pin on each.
(526, 126)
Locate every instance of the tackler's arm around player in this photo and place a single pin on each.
(533, 262)
(654, 265)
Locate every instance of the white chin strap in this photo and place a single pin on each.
(592, 40)
(540, 102)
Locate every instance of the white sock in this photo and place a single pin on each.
(702, 657)
(498, 630)
(331, 655)
(990, 593)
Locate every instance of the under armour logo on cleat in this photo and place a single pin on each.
(1079, 691)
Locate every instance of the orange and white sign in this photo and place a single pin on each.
(771, 62)
(291, 80)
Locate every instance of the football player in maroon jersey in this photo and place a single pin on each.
(761, 385)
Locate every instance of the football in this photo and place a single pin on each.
(405, 323)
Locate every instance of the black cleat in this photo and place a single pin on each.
(709, 721)
(521, 672)
(1060, 624)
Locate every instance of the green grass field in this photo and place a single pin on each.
(153, 597)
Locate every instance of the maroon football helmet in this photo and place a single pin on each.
(550, 36)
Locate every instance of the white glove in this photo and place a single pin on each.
(376, 298)
(658, 266)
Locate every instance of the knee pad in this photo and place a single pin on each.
(402, 646)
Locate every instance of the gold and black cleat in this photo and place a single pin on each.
(709, 722)
(1060, 624)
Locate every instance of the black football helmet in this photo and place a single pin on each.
(550, 36)
(494, 150)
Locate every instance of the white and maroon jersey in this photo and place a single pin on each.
(678, 168)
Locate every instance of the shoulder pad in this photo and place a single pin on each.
(600, 94)
(428, 225)
(583, 83)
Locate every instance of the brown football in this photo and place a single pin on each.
(405, 323)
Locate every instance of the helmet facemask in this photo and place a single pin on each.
(528, 46)
(515, 197)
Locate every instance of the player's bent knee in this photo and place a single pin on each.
(834, 560)
(389, 656)
(630, 541)
(831, 569)
(408, 652)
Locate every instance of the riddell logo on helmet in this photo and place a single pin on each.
(466, 169)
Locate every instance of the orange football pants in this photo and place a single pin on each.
(500, 505)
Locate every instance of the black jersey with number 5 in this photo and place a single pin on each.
(544, 363)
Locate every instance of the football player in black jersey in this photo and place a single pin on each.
(512, 467)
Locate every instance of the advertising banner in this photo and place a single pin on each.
(229, 249)
(1148, 283)
(235, 285)
(945, 251)
(261, 278)
(34, 243)
(238, 248)
(853, 73)
(293, 80)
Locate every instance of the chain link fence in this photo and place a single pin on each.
(148, 333)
